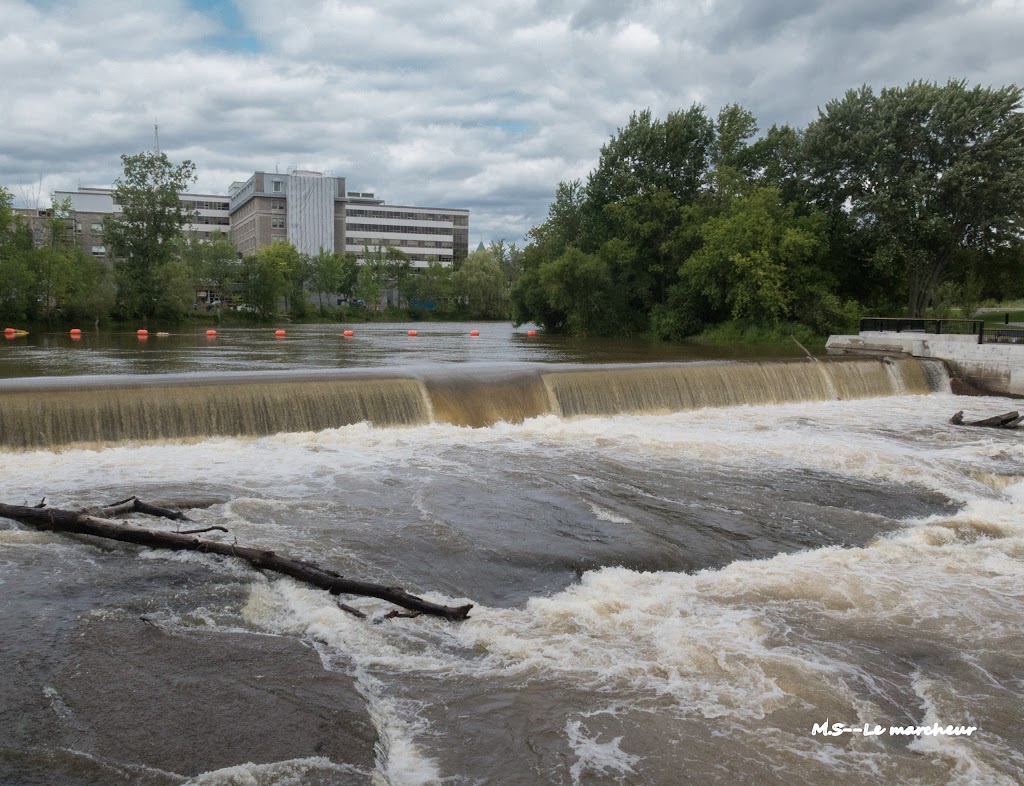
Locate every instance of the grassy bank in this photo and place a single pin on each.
(736, 332)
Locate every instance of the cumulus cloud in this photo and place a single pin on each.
(485, 106)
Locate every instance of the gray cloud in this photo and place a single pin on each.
(485, 106)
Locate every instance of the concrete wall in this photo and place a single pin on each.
(996, 369)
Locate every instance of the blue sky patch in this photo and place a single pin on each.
(230, 31)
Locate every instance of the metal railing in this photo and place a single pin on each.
(962, 327)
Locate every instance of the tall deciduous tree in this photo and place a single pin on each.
(17, 282)
(929, 171)
(145, 235)
(212, 262)
(481, 285)
(331, 271)
(269, 275)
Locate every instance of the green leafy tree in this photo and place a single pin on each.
(926, 172)
(93, 292)
(432, 286)
(331, 271)
(649, 154)
(146, 234)
(212, 263)
(548, 241)
(268, 276)
(759, 261)
(581, 286)
(481, 286)
(17, 281)
(54, 261)
(398, 268)
(372, 277)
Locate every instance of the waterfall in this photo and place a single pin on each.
(46, 413)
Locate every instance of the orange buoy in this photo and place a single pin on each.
(10, 331)
(348, 333)
(413, 333)
(211, 333)
(531, 332)
(280, 333)
(474, 332)
(142, 333)
(75, 334)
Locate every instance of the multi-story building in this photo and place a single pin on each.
(89, 206)
(312, 210)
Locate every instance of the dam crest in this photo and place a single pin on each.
(47, 413)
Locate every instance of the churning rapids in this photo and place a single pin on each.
(678, 571)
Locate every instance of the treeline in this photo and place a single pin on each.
(476, 287)
(57, 279)
(905, 201)
(157, 268)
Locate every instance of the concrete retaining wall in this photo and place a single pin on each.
(996, 369)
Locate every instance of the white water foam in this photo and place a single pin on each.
(735, 647)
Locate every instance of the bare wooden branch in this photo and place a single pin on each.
(806, 351)
(56, 520)
(1006, 420)
(214, 528)
(354, 611)
(136, 505)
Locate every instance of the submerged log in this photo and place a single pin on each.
(1006, 420)
(82, 523)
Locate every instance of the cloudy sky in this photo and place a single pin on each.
(483, 105)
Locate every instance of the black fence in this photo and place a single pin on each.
(961, 327)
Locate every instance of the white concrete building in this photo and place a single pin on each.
(313, 210)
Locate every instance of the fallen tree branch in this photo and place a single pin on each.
(806, 351)
(1006, 420)
(82, 523)
(136, 505)
(214, 528)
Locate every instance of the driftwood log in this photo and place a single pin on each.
(83, 523)
(1006, 420)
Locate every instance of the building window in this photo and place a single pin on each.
(97, 227)
(277, 223)
(277, 186)
(99, 251)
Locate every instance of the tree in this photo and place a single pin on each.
(17, 282)
(146, 234)
(331, 271)
(54, 261)
(268, 275)
(760, 262)
(212, 262)
(397, 266)
(431, 287)
(372, 277)
(481, 285)
(93, 291)
(927, 172)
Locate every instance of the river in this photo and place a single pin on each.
(661, 595)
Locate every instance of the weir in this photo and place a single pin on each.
(70, 411)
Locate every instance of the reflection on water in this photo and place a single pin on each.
(304, 346)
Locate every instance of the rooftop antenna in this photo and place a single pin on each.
(156, 135)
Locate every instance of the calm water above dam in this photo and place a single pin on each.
(323, 346)
(677, 570)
